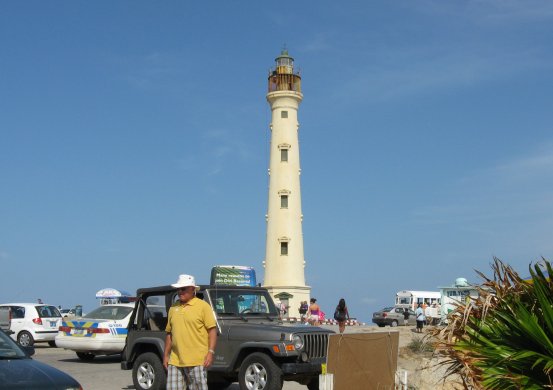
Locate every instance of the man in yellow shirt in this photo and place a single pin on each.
(191, 338)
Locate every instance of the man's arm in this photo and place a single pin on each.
(167, 351)
(212, 342)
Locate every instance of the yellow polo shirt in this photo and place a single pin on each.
(188, 324)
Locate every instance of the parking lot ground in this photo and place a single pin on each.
(104, 372)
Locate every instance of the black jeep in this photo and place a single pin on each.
(253, 346)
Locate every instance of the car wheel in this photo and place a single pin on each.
(313, 384)
(25, 339)
(148, 372)
(394, 323)
(52, 343)
(85, 356)
(259, 372)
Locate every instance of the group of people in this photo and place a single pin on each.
(311, 313)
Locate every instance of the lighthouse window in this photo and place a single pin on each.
(284, 114)
(283, 154)
(283, 201)
(283, 248)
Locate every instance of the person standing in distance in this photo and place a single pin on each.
(405, 316)
(419, 314)
(313, 312)
(341, 314)
(191, 338)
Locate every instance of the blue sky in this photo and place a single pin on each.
(134, 142)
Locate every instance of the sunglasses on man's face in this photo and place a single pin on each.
(184, 289)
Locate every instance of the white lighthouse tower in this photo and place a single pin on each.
(284, 262)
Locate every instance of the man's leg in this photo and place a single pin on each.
(196, 378)
(175, 378)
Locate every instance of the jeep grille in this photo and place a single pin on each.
(315, 344)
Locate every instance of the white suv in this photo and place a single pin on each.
(33, 322)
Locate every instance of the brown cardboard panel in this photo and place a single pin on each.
(363, 360)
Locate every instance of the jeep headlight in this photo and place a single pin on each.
(298, 342)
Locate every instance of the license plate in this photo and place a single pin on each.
(78, 331)
(53, 324)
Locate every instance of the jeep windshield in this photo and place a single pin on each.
(242, 302)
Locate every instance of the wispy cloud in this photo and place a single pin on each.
(536, 165)
(508, 11)
(223, 142)
(409, 72)
(319, 42)
(150, 70)
(369, 300)
(521, 189)
(488, 42)
(490, 11)
(218, 145)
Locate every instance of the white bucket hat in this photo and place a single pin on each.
(185, 281)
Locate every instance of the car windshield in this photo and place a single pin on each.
(387, 309)
(9, 349)
(110, 312)
(47, 311)
(234, 302)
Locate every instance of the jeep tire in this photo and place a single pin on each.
(148, 372)
(259, 372)
(313, 384)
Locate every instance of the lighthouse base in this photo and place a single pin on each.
(291, 297)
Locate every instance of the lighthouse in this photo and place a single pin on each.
(284, 260)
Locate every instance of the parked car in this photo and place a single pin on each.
(32, 323)
(19, 371)
(392, 316)
(102, 332)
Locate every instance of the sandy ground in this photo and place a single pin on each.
(423, 371)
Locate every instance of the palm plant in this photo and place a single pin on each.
(504, 338)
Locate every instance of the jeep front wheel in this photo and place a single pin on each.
(148, 372)
(313, 384)
(259, 372)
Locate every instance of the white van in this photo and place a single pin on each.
(411, 299)
(31, 322)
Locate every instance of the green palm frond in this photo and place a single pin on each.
(504, 338)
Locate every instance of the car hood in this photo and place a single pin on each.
(32, 374)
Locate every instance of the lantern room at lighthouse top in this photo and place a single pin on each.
(283, 77)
